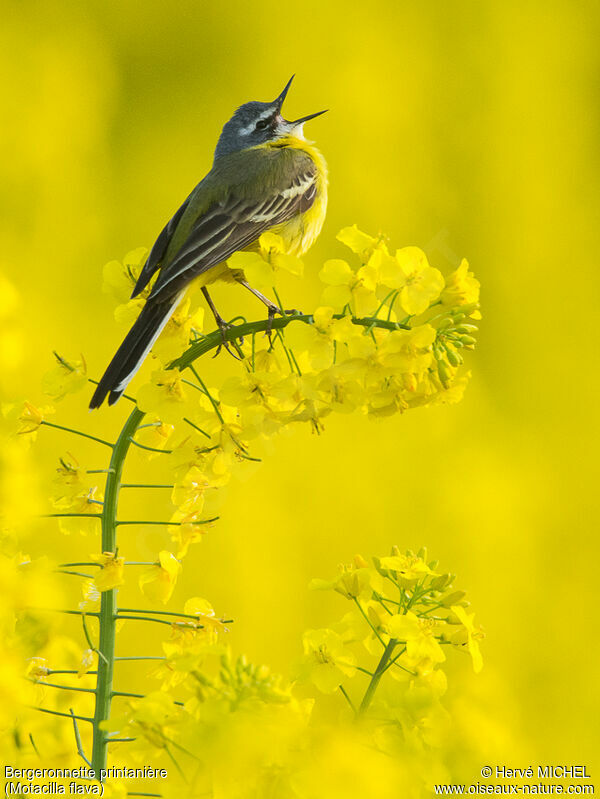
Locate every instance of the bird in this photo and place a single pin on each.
(265, 176)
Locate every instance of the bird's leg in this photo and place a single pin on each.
(272, 308)
(221, 324)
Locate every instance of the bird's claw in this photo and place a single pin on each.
(225, 344)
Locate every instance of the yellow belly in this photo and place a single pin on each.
(298, 233)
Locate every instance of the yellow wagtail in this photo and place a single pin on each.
(265, 176)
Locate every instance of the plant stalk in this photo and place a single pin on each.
(108, 603)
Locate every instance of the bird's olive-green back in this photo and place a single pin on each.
(252, 174)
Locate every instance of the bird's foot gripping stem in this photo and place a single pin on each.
(224, 327)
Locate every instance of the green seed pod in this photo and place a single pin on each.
(466, 329)
(444, 373)
(454, 358)
(453, 599)
(468, 309)
(439, 583)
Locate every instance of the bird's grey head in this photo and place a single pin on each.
(257, 123)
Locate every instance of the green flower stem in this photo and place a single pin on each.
(58, 713)
(147, 485)
(347, 698)
(76, 433)
(108, 608)
(75, 574)
(78, 742)
(369, 622)
(64, 687)
(67, 671)
(214, 339)
(108, 605)
(120, 523)
(149, 449)
(141, 657)
(122, 616)
(381, 667)
(159, 613)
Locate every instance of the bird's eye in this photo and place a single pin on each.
(262, 124)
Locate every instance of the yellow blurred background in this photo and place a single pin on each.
(467, 128)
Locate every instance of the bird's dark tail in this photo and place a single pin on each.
(134, 349)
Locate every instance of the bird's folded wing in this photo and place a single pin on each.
(232, 224)
(157, 253)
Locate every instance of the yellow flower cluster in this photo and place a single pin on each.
(402, 607)
(389, 335)
(387, 649)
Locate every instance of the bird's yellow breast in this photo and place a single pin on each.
(300, 232)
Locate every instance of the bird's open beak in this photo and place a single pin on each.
(302, 120)
(279, 101)
(295, 126)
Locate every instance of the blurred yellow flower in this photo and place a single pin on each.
(155, 434)
(67, 377)
(37, 668)
(158, 582)
(326, 660)
(87, 661)
(418, 636)
(70, 481)
(196, 606)
(466, 619)
(164, 396)
(408, 568)
(356, 240)
(87, 503)
(31, 418)
(356, 580)
(462, 287)
(119, 278)
(111, 574)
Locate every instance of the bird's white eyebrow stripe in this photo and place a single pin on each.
(265, 115)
